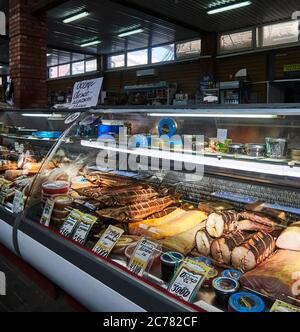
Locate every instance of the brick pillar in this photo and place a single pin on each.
(28, 55)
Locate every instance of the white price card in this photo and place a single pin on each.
(47, 213)
(70, 224)
(86, 93)
(222, 135)
(83, 229)
(18, 203)
(187, 281)
(108, 240)
(141, 256)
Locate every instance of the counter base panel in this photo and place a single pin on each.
(6, 235)
(95, 296)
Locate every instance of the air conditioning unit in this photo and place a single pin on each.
(147, 72)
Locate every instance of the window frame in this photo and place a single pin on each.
(138, 50)
(259, 36)
(116, 54)
(188, 41)
(242, 49)
(161, 46)
(85, 59)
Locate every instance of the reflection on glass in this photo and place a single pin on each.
(78, 68)
(53, 72)
(64, 70)
(137, 58)
(163, 53)
(281, 33)
(236, 41)
(91, 65)
(188, 49)
(116, 61)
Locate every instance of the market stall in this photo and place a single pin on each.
(125, 217)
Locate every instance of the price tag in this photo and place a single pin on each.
(141, 256)
(280, 306)
(222, 135)
(18, 203)
(47, 213)
(83, 229)
(108, 240)
(187, 281)
(68, 227)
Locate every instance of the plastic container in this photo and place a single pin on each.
(236, 148)
(55, 188)
(170, 261)
(224, 288)
(233, 274)
(246, 302)
(256, 150)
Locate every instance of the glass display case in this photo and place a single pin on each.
(171, 210)
(25, 140)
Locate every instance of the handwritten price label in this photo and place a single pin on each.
(70, 224)
(47, 213)
(18, 203)
(141, 256)
(108, 240)
(188, 281)
(83, 229)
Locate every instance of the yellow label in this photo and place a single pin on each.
(291, 68)
(108, 240)
(142, 255)
(280, 306)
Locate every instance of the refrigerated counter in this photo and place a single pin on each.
(155, 216)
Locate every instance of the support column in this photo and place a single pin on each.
(28, 55)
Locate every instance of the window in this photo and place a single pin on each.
(280, 33)
(78, 68)
(91, 65)
(137, 58)
(53, 72)
(236, 41)
(188, 49)
(163, 53)
(116, 61)
(64, 70)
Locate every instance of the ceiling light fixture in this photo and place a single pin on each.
(130, 33)
(76, 17)
(91, 43)
(229, 7)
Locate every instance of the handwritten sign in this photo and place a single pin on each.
(188, 280)
(108, 240)
(86, 93)
(83, 229)
(18, 203)
(141, 256)
(70, 224)
(47, 213)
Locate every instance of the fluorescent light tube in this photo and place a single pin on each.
(42, 115)
(214, 115)
(76, 17)
(130, 33)
(229, 7)
(92, 43)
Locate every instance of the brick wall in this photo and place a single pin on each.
(28, 60)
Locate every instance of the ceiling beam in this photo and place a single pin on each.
(157, 14)
(43, 6)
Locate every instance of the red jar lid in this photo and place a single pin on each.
(55, 188)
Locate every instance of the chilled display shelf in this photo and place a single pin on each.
(264, 166)
(27, 138)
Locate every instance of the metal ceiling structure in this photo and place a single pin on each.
(163, 21)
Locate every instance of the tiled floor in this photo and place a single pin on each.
(24, 296)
